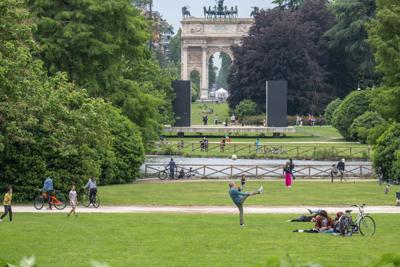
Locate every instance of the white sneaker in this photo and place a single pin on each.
(1, 220)
(261, 190)
(242, 225)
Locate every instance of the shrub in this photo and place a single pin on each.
(330, 109)
(354, 105)
(362, 125)
(246, 108)
(252, 120)
(387, 153)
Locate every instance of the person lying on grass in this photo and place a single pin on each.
(323, 224)
(240, 197)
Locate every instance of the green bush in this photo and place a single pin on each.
(362, 125)
(387, 153)
(252, 120)
(354, 105)
(246, 108)
(330, 109)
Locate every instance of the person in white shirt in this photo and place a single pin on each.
(73, 200)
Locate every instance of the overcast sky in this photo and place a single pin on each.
(171, 10)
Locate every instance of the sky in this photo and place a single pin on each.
(171, 10)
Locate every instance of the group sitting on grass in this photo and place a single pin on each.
(323, 222)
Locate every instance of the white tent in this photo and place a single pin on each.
(221, 94)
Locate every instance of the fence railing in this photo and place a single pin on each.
(259, 171)
(284, 150)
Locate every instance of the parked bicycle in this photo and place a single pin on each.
(57, 200)
(363, 223)
(192, 173)
(85, 200)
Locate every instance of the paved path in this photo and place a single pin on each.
(210, 209)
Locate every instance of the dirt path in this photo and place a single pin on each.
(209, 209)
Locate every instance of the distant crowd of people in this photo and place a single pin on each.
(311, 120)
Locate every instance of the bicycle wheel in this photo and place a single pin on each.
(96, 203)
(345, 225)
(85, 200)
(367, 226)
(59, 201)
(162, 175)
(38, 203)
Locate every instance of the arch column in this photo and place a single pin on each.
(204, 74)
(184, 65)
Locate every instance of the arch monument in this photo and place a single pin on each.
(203, 37)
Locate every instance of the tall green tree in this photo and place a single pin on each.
(349, 37)
(212, 72)
(103, 46)
(48, 126)
(384, 37)
(222, 77)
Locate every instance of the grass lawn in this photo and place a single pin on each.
(276, 194)
(185, 240)
(220, 110)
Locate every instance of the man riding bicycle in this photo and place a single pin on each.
(48, 188)
(92, 186)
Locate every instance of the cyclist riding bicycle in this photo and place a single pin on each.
(92, 186)
(48, 188)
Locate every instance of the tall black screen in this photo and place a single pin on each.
(276, 104)
(182, 103)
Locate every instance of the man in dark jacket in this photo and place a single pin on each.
(172, 167)
(341, 168)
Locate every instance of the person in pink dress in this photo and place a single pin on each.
(288, 175)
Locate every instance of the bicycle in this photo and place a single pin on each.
(57, 200)
(164, 174)
(363, 223)
(85, 200)
(191, 173)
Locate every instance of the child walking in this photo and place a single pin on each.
(73, 200)
(7, 204)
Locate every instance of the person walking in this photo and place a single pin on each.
(172, 167)
(48, 188)
(341, 166)
(258, 145)
(73, 201)
(288, 175)
(92, 187)
(7, 204)
(239, 198)
(291, 166)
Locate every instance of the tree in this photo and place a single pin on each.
(387, 153)
(330, 109)
(361, 127)
(386, 101)
(384, 33)
(174, 52)
(354, 105)
(284, 45)
(246, 108)
(349, 37)
(223, 73)
(49, 126)
(212, 72)
(103, 46)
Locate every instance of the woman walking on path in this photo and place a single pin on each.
(288, 175)
(7, 204)
(240, 197)
(73, 200)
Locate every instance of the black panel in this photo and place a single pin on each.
(182, 103)
(276, 104)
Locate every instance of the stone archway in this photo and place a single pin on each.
(202, 38)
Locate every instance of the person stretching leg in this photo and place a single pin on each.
(240, 197)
